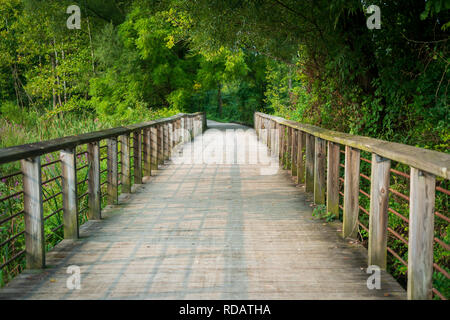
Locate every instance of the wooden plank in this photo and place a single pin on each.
(69, 191)
(294, 152)
(319, 170)
(333, 160)
(147, 152)
(309, 175)
(437, 163)
(137, 155)
(378, 218)
(421, 234)
(125, 159)
(351, 193)
(113, 173)
(33, 213)
(94, 201)
(300, 162)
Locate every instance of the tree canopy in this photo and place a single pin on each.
(312, 61)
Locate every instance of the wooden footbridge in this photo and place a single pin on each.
(224, 213)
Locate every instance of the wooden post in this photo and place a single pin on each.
(170, 139)
(147, 152)
(69, 191)
(378, 218)
(154, 148)
(283, 144)
(351, 193)
(309, 174)
(94, 210)
(333, 178)
(294, 152)
(126, 172)
(191, 128)
(421, 234)
(287, 164)
(166, 140)
(178, 132)
(183, 128)
(160, 142)
(204, 122)
(33, 213)
(300, 161)
(113, 175)
(137, 155)
(319, 171)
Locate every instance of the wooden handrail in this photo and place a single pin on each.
(39, 148)
(437, 163)
(287, 139)
(155, 139)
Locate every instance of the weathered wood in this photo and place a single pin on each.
(287, 163)
(204, 122)
(421, 234)
(300, 162)
(437, 163)
(309, 174)
(166, 141)
(294, 152)
(270, 136)
(36, 149)
(113, 173)
(378, 218)
(154, 148)
(137, 155)
(319, 170)
(169, 240)
(171, 139)
(147, 152)
(191, 127)
(160, 144)
(125, 160)
(94, 201)
(69, 193)
(333, 160)
(283, 144)
(33, 213)
(351, 193)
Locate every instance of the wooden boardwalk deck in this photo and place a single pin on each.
(208, 231)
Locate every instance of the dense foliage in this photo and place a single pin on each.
(311, 61)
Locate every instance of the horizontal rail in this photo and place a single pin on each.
(39, 148)
(437, 163)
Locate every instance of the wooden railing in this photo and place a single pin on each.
(313, 156)
(152, 143)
